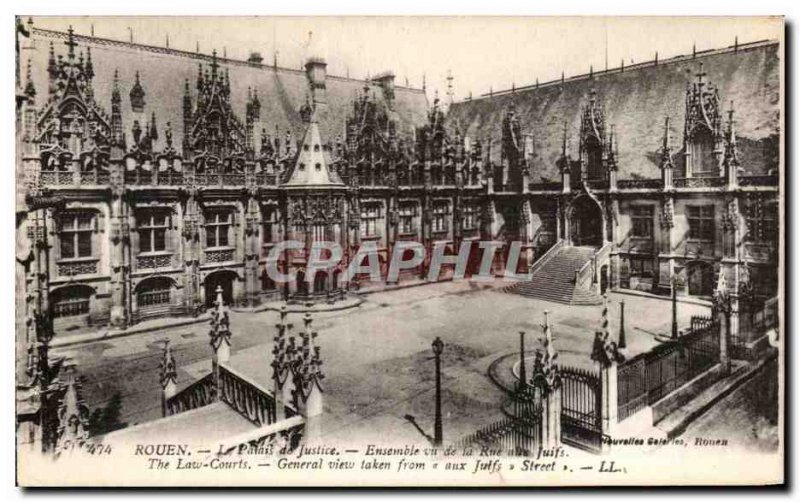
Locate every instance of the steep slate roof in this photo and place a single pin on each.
(636, 101)
(162, 71)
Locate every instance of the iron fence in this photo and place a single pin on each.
(651, 376)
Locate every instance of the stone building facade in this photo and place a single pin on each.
(181, 172)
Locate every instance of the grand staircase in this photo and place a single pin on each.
(554, 280)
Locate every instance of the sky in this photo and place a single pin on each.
(481, 53)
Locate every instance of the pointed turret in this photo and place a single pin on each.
(311, 167)
(116, 113)
(30, 90)
(137, 96)
(731, 157)
(73, 415)
(89, 65)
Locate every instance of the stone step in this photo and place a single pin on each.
(555, 280)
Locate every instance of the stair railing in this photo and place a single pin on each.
(550, 253)
(283, 436)
(196, 395)
(587, 274)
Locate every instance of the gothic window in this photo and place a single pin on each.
(154, 292)
(641, 267)
(71, 301)
(594, 159)
(406, 214)
(218, 228)
(701, 222)
(762, 221)
(470, 213)
(702, 158)
(153, 227)
(441, 211)
(370, 219)
(75, 234)
(642, 222)
(436, 174)
(269, 234)
(320, 233)
(402, 175)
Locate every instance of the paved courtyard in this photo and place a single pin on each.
(377, 357)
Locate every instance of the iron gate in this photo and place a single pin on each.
(581, 419)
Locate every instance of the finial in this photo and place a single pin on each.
(70, 42)
(169, 373)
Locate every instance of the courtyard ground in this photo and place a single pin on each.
(377, 357)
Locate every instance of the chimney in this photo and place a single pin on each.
(255, 58)
(315, 72)
(386, 81)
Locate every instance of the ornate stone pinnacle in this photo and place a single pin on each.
(169, 371)
(220, 323)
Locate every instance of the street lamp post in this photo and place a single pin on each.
(438, 346)
(621, 344)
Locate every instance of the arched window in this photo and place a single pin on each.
(70, 301)
(594, 159)
(154, 292)
(703, 161)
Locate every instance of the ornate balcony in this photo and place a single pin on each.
(153, 261)
(219, 179)
(167, 177)
(699, 182)
(761, 180)
(220, 255)
(71, 268)
(640, 184)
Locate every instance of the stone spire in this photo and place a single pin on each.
(220, 332)
(550, 355)
(168, 374)
(30, 90)
(731, 157)
(73, 415)
(137, 96)
(604, 316)
(308, 363)
(281, 357)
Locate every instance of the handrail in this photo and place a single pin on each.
(581, 274)
(554, 249)
(254, 403)
(293, 427)
(197, 394)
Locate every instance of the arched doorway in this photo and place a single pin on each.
(586, 222)
(223, 278)
(320, 281)
(302, 285)
(700, 278)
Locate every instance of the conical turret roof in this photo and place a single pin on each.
(311, 168)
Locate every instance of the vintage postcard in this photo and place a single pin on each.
(399, 251)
